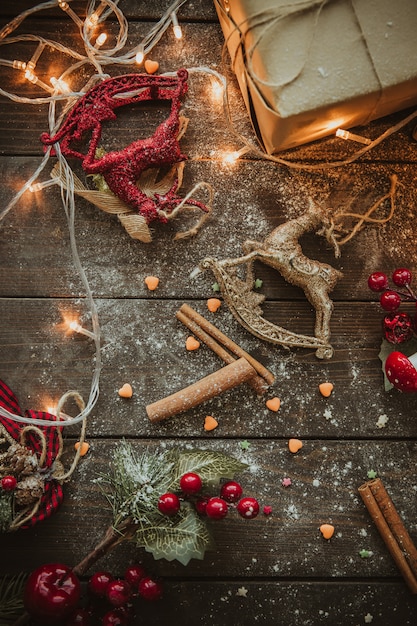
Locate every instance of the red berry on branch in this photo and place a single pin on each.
(8, 483)
(51, 593)
(398, 327)
(191, 483)
(169, 504)
(80, 617)
(115, 618)
(201, 505)
(248, 508)
(390, 300)
(216, 508)
(118, 592)
(402, 277)
(99, 582)
(378, 281)
(231, 491)
(134, 573)
(150, 589)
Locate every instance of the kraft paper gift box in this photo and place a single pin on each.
(308, 67)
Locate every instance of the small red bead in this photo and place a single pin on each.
(150, 589)
(8, 483)
(169, 504)
(378, 281)
(231, 491)
(402, 277)
(216, 508)
(114, 618)
(134, 574)
(99, 582)
(118, 592)
(248, 508)
(191, 483)
(390, 300)
(201, 505)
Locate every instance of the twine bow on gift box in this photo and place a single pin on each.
(33, 460)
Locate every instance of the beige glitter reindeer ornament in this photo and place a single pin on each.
(282, 251)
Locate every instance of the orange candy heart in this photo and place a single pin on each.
(327, 530)
(210, 423)
(126, 391)
(151, 66)
(192, 343)
(294, 445)
(213, 304)
(326, 389)
(152, 282)
(273, 404)
(84, 447)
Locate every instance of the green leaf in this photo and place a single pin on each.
(210, 466)
(184, 539)
(408, 348)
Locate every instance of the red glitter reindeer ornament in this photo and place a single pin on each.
(121, 169)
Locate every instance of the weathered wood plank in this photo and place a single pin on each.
(201, 47)
(144, 344)
(325, 476)
(249, 201)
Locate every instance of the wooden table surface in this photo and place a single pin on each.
(292, 575)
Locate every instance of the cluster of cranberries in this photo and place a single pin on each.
(213, 507)
(53, 592)
(398, 326)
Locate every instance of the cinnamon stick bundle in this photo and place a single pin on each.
(392, 530)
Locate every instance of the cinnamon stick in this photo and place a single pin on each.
(212, 385)
(258, 383)
(392, 530)
(228, 343)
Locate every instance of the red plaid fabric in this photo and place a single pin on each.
(53, 492)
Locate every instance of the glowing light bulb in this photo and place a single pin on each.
(216, 91)
(175, 26)
(31, 77)
(345, 134)
(140, 54)
(59, 85)
(76, 327)
(101, 39)
(230, 158)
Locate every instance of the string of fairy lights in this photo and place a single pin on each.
(100, 51)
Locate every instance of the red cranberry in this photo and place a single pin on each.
(99, 582)
(169, 504)
(150, 589)
(118, 592)
(231, 491)
(201, 505)
(390, 300)
(80, 617)
(398, 327)
(191, 483)
(248, 508)
(52, 592)
(115, 618)
(8, 483)
(377, 281)
(134, 573)
(216, 508)
(402, 277)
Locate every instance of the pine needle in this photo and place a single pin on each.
(11, 598)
